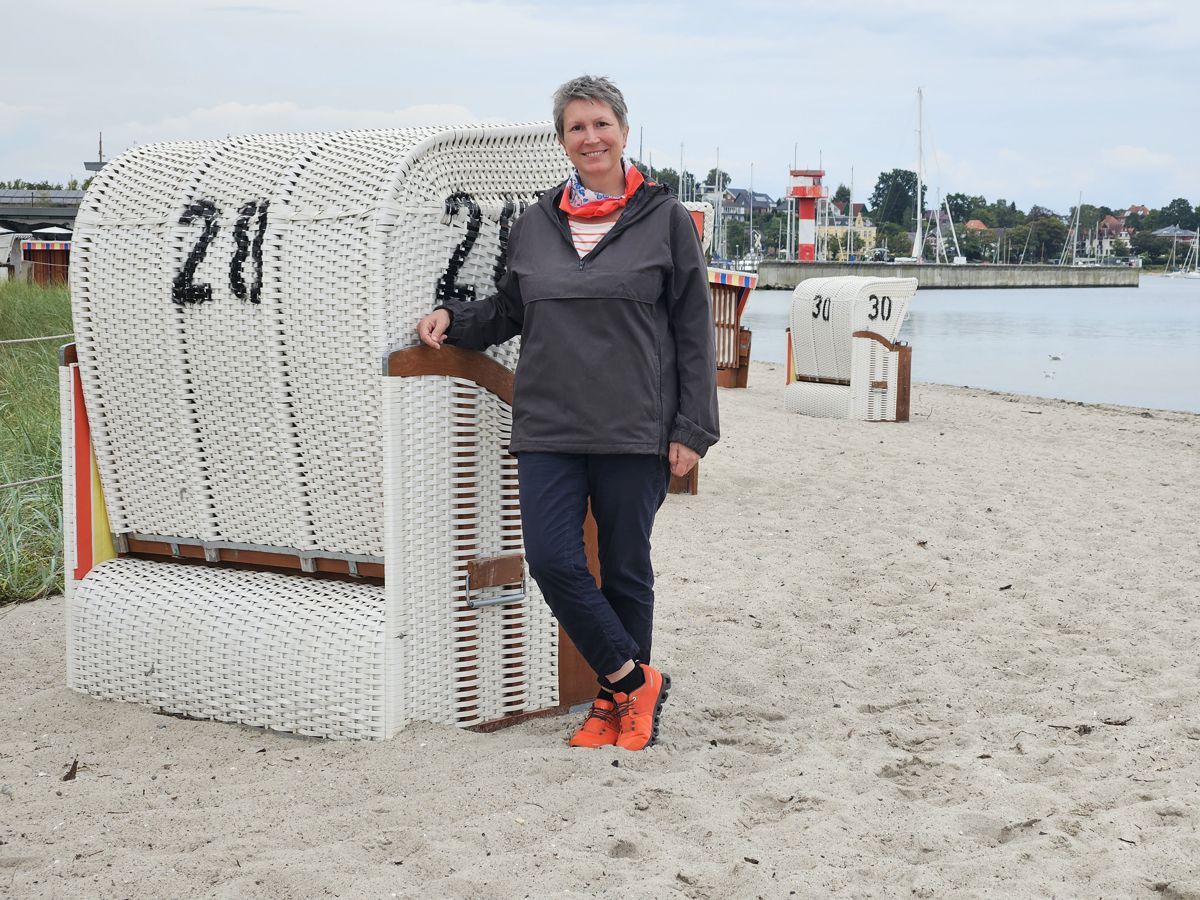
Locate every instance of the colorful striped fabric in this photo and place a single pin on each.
(93, 537)
(45, 245)
(586, 235)
(733, 279)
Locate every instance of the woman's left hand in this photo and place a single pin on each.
(682, 458)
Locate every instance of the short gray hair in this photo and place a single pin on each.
(589, 87)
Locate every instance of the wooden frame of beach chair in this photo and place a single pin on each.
(843, 357)
(302, 542)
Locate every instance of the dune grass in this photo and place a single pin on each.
(30, 516)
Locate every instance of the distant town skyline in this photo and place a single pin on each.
(1028, 101)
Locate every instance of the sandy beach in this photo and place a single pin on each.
(958, 657)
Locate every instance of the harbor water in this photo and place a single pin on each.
(1128, 346)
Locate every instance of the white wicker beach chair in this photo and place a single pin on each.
(233, 302)
(843, 357)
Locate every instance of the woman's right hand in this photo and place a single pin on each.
(433, 327)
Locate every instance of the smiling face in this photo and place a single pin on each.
(594, 139)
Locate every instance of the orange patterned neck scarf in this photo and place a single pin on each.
(582, 203)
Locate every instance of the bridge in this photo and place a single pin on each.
(23, 210)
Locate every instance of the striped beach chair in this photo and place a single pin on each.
(280, 512)
(843, 358)
(730, 292)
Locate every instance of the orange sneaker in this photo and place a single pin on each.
(639, 710)
(600, 728)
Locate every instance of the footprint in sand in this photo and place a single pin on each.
(770, 809)
(623, 849)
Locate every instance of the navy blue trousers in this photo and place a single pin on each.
(613, 623)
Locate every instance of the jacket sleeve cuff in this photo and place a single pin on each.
(688, 433)
(458, 324)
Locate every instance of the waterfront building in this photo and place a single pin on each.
(1099, 243)
(1175, 233)
(736, 202)
(834, 233)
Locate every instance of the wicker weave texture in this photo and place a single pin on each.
(824, 315)
(300, 655)
(450, 485)
(259, 422)
(829, 401)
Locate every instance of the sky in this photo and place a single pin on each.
(1035, 101)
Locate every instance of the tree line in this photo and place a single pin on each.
(1038, 234)
(20, 184)
(1034, 235)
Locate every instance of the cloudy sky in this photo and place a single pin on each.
(1031, 100)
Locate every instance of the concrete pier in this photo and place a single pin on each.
(786, 275)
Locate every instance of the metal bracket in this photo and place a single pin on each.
(513, 596)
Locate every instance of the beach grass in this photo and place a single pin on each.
(31, 515)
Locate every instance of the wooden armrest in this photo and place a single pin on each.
(468, 364)
(878, 338)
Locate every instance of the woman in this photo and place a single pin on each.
(615, 391)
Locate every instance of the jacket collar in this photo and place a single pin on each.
(650, 196)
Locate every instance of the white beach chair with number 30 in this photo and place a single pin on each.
(843, 357)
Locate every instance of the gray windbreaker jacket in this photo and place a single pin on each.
(617, 350)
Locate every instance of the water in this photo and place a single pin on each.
(1130, 346)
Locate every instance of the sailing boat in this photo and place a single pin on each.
(918, 247)
(1169, 269)
(1191, 262)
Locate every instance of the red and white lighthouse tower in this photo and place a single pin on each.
(807, 189)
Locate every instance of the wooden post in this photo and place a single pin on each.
(903, 381)
(685, 484)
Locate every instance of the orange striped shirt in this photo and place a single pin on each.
(586, 235)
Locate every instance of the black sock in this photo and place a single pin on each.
(631, 682)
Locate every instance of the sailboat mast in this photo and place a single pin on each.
(719, 238)
(939, 254)
(850, 219)
(953, 233)
(1072, 235)
(918, 240)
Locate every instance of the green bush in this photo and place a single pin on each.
(30, 516)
